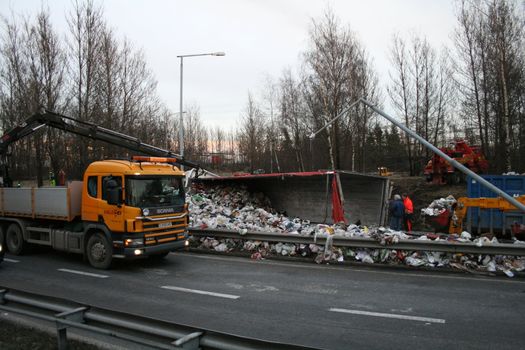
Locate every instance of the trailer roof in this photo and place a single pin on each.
(245, 176)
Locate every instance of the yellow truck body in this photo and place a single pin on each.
(121, 209)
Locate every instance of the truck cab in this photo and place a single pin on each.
(122, 209)
(133, 209)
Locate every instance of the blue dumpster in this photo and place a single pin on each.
(494, 220)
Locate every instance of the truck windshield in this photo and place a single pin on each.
(154, 191)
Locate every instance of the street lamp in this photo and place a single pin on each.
(181, 126)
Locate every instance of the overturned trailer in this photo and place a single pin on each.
(318, 196)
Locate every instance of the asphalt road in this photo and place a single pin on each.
(331, 307)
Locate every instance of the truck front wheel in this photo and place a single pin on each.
(99, 251)
(14, 239)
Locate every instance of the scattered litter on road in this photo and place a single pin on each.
(239, 210)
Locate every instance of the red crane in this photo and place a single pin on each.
(439, 171)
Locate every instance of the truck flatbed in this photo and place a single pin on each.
(53, 203)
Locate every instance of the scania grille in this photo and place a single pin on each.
(164, 231)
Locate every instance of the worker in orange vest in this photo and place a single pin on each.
(409, 212)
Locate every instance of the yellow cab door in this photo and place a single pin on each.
(112, 214)
(91, 195)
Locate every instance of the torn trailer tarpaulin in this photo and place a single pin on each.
(310, 195)
(338, 214)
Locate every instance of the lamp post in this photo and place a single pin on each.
(181, 126)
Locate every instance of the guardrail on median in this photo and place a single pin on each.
(365, 242)
(131, 328)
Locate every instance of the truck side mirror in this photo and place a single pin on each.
(113, 192)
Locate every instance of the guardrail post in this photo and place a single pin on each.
(189, 342)
(76, 315)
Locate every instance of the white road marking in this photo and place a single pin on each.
(83, 273)
(11, 260)
(254, 286)
(351, 269)
(397, 316)
(196, 291)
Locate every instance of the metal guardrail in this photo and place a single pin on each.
(131, 328)
(365, 242)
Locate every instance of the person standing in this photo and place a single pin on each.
(61, 178)
(409, 212)
(397, 211)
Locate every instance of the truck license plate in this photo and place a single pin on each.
(165, 224)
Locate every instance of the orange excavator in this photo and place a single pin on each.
(439, 171)
(452, 219)
(463, 203)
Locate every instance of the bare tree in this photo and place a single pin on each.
(421, 91)
(45, 81)
(218, 139)
(15, 92)
(101, 80)
(329, 63)
(364, 85)
(293, 115)
(400, 93)
(32, 69)
(337, 72)
(195, 134)
(85, 25)
(251, 134)
(468, 37)
(489, 45)
(52, 62)
(269, 107)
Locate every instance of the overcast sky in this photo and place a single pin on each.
(259, 37)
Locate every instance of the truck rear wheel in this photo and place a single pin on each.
(99, 251)
(15, 240)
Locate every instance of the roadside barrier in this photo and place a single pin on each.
(366, 242)
(140, 330)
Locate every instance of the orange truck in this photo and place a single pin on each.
(121, 209)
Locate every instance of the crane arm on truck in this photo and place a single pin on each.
(86, 129)
(463, 203)
(122, 208)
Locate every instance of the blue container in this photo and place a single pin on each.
(494, 220)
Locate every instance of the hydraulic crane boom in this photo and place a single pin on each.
(74, 126)
(463, 203)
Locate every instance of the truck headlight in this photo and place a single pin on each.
(133, 242)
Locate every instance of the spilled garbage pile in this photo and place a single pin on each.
(238, 210)
(439, 206)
